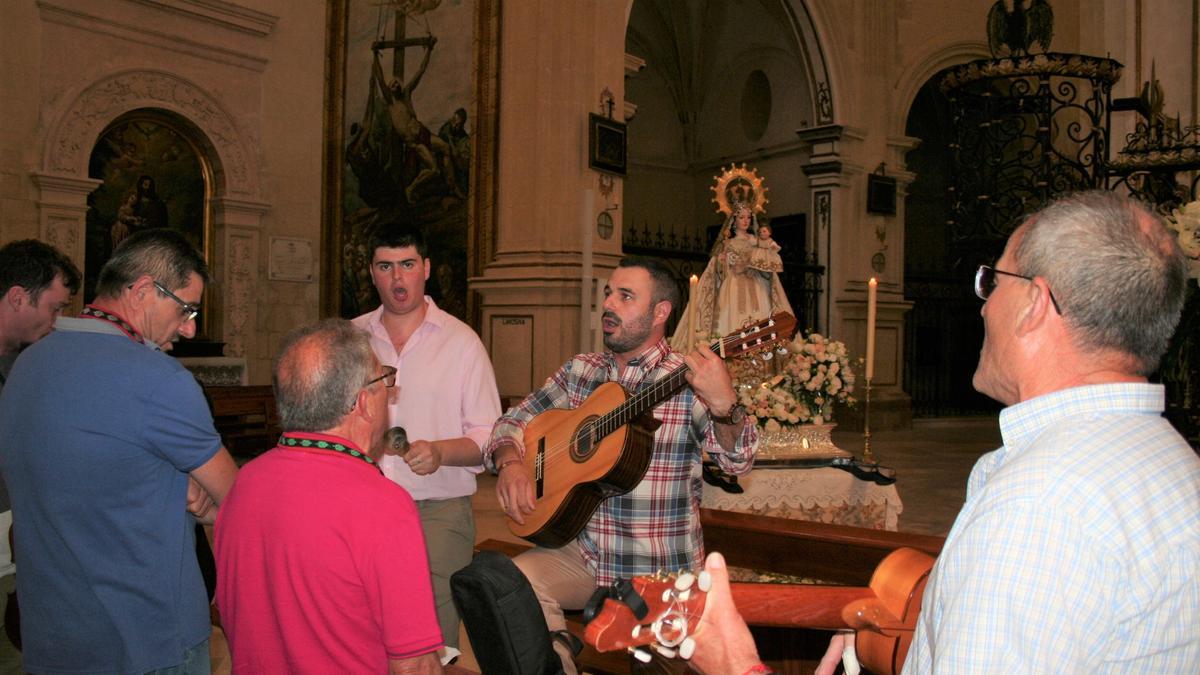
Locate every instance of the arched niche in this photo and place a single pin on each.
(235, 211)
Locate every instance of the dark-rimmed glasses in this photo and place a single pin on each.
(985, 283)
(188, 311)
(388, 378)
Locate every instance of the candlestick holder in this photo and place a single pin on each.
(867, 456)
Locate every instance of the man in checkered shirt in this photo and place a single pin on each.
(1079, 543)
(657, 524)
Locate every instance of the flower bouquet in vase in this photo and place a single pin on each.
(791, 397)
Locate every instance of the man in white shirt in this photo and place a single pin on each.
(1078, 544)
(446, 402)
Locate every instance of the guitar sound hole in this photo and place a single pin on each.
(583, 443)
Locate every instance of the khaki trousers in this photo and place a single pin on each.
(561, 581)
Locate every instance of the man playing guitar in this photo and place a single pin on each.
(656, 525)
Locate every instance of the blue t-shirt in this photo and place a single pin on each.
(98, 435)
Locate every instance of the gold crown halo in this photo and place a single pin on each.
(739, 184)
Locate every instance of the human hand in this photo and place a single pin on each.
(710, 380)
(839, 645)
(199, 503)
(723, 641)
(423, 457)
(514, 489)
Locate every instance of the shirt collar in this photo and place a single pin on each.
(434, 316)
(1021, 423)
(649, 359)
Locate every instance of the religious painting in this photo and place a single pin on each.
(399, 142)
(152, 177)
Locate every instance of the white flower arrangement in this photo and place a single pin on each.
(1185, 221)
(813, 373)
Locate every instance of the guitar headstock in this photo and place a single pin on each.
(756, 337)
(674, 605)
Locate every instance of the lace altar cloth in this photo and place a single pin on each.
(822, 495)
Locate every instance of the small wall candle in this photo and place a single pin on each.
(871, 287)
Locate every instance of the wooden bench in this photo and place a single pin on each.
(832, 553)
(245, 417)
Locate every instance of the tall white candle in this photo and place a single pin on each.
(691, 311)
(871, 286)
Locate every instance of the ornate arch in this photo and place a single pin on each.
(236, 209)
(925, 66)
(86, 114)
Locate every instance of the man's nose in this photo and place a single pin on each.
(188, 328)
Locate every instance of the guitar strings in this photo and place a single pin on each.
(621, 415)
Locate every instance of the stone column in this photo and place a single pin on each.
(855, 246)
(62, 217)
(558, 59)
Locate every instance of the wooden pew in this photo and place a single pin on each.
(832, 553)
(246, 418)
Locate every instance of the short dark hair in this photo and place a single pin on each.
(163, 254)
(665, 287)
(397, 235)
(320, 369)
(33, 265)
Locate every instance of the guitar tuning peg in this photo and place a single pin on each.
(637, 630)
(768, 355)
(687, 648)
(704, 581)
(684, 595)
(641, 655)
(665, 651)
(684, 581)
(782, 351)
(666, 596)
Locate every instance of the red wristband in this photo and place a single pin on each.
(760, 668)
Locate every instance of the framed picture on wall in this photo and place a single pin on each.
(411, 116)
(606, 145)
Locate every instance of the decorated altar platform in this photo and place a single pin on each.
(789, 481)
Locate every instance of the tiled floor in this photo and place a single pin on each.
(932, 462)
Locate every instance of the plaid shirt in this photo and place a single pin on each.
(1078, 546)
(655, 526)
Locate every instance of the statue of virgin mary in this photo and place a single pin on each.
(740, 284)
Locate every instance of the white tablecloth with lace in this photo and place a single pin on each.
(823, 495)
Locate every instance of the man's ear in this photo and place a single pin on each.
(662, 310)
(1038, 307)
(427, 268)
(16, 296)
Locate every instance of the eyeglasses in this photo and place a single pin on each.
(985, 283)
(388, 378)
(188, 311)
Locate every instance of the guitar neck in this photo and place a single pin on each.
(647, 399)
(796, 605)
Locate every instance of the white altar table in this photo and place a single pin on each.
(823, 495)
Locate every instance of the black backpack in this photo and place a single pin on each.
(503, 618)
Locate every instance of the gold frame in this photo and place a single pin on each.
(485, 99)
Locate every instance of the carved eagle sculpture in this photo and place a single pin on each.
(1012, 31)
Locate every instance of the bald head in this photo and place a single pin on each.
(319, 372)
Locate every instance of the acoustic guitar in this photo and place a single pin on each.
(577, 458)
(662, 611)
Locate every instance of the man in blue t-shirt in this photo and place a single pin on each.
(110, 454)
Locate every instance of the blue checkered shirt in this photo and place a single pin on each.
(1078, 547)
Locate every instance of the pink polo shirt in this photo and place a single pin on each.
(447, 389)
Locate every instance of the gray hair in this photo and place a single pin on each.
(320, 369)
(162, 254)
(1118, 276)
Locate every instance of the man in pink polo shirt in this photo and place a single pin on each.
(320, 558)
(447, 403)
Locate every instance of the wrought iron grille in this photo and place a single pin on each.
(1026, 129)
